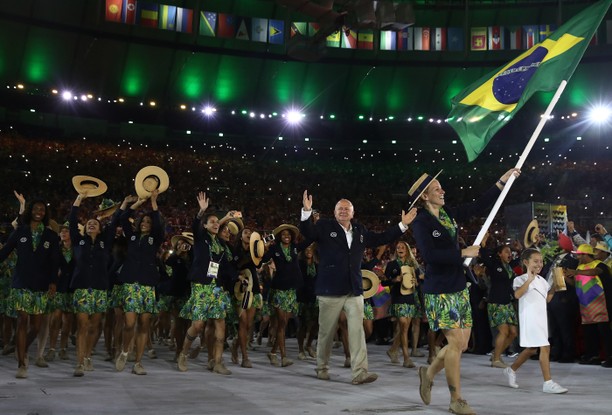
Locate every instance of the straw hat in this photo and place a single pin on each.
(602, 246)
(176, 238)
(150, 178)
(90, 185)
(419, 187)
(293, 229)
(584, 249)
(531, 234)
(244, 294)
(257, 247)
(234, 224)
(106, 208)
(370, 282)
(408, 280)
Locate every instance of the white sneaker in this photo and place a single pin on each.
(510, 377)
(553, 387)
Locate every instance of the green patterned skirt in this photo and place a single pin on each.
(368, 311)
(501, 314)
(448, 311)
(89, 301)
(285, 300)
(206, 302)
(403, 310)
(139, 299)
(30, 302)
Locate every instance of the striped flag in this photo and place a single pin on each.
(128, 12)
(421, 38)
(148, 14)
(496, 38)
(388, 40)
(259, 30)
(276, 32)
(405, 39)
(184, 20)
(532, 33)
(456, 38)
(515, 37)
(438, 40)
(349, 38)
(365, 39)
(113, 10)
(167, 17)
(208, 24)
(478, 39)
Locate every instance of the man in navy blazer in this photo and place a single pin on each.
(341, 244)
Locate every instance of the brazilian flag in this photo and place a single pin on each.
(488, 104)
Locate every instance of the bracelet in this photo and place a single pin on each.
(500, 182)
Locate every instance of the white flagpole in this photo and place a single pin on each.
(519, 164)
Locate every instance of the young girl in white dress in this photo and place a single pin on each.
(533, 293)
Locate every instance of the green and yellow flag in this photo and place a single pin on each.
(488, 104)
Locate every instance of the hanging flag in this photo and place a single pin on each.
(113, 10)
(365, 39)
(488, 104)
(243, 32)
(208, 24)
(259, 30)
(299, 28)
(128, 12)
(546, 30)
(333, 40)
(478, 39)
(148, 14)
(276, 32)
(421, 38)
(226, 25)
(405, 39)
(184, 20)
(167, 17)
(388, 40)
(515, 37)
(313, 28)
(496, 38)
(438, 39)
(532, 35)
(456, 38)
(349, 38)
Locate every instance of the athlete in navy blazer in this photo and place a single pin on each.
(341, 243)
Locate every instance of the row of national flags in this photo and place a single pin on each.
(227, 26)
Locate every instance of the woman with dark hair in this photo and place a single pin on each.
(403, 306)
(307, 302)
(35, 275)
(244, 261)
(447, 305)
(284, 286)
(90, 282)
(138, 277)
(500, 309)
(209, 301)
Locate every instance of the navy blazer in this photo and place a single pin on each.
(392, 270)
(140, 265)
(440, 251)
(202, 255)
(339, 271)
(35, 268)
(288, 275)
(501, 291)
(65, 271)
(92, 260)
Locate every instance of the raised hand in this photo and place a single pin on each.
(407, 218)
(307, 201)
(203, 201)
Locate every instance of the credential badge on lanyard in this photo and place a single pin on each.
(213, 269)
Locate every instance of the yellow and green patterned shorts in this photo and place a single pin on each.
(448, 311)
(30, 302)
(501, 314)
(89, 301)
(368, 311)
(285, 300)
(115, 298)
(207, 301)
(60, 301)
(403, 310)
(139, 299)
